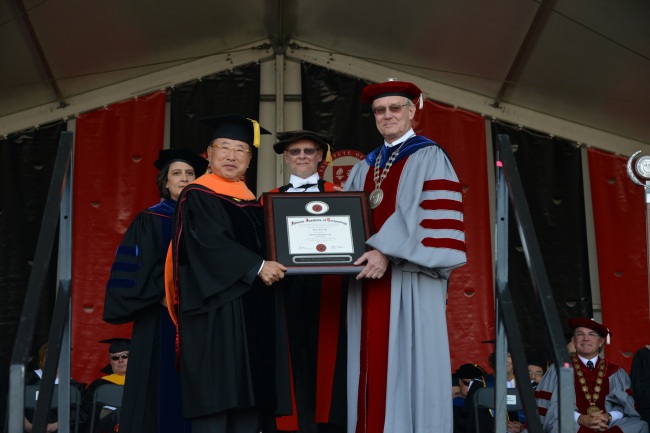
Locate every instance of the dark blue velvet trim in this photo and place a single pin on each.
(124, 267)
(120, 282)
(127, 251)
(409, 147)
(165, 207)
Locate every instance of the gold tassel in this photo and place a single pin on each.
(328, 156)
(256, 133)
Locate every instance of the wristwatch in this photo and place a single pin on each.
(609, 418)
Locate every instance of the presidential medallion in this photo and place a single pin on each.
(376, 197)
(592, 409)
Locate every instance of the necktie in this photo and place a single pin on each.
(590, 365)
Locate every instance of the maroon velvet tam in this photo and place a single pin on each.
(389, 88)
(582, 322)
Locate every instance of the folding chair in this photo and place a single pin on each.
(31, 400)
(108, 394)
(484, 398)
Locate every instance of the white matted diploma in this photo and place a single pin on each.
(317, 232)
(322, 234)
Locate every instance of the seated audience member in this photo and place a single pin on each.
(107, 417)
(34, 378)
(602, 396)
(471, 377)
(537, 365)
(515, 420)
(640, 377)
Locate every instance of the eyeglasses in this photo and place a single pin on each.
(309, 151)
(589, 335)
(392, 108)
(225, 150)
(536, 373)
(117, 357)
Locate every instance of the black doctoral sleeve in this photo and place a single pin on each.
(137, 276)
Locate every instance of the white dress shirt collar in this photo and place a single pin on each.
(402, 139)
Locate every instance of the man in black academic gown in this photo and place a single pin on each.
(233, 348)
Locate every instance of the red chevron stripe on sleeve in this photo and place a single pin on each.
(542, 411)
(443, 224)
(442, 185)
(442, 204)
(452, 244)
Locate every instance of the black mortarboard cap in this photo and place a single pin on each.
(117, 344)
(167, 156)
(236, 127)
(470, 371)
(537, 359)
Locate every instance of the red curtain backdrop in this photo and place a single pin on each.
(619, 220)
(114, 178)
(470, 306)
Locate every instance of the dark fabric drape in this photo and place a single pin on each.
(331, 106)
(551, 173)
(235, 91)
(26, 163)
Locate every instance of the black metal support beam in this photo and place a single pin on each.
(509, 182)
(507, 319)
(526, 48)
(42, 58)
(37, 277)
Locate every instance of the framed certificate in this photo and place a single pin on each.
(317, 233)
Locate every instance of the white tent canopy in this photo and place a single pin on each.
(577, 69)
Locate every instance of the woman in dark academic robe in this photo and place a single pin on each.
(136, 293)
(233, 348)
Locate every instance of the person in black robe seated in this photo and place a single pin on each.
(471, 377)
(537, 366)
(232, 329)
(107, 417)
(135, 292)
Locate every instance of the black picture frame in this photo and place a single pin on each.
(327, 216)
